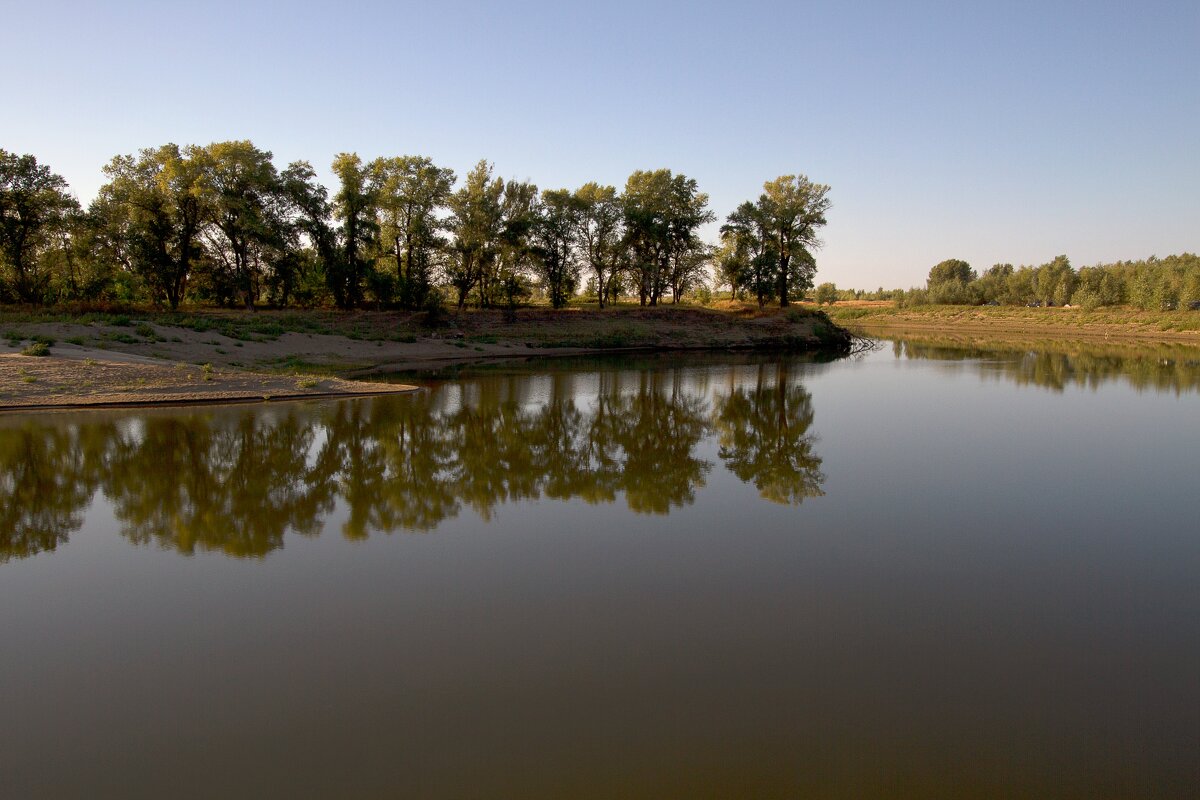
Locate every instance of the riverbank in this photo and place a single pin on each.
(44, 383)
(224, 356)
(1106, 323)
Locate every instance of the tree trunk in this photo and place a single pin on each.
(783, 280)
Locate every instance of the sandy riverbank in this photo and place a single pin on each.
(29, 383)
(106, 360)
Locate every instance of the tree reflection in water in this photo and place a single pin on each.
(763, 432)
(47, 477)
(236, 480)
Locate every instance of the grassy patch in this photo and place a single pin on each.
(123, 338)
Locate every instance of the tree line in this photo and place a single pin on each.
(220, 224)
(1150, 284)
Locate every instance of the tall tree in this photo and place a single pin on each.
(412, 192)
(248, 231)
(663, 213)
(503, 275)
(163, 210)
(749, 251)
(475, 223)
(554, 234)
(308, 213)
(794, 208)
(598, 231)
(646, 211)
(687, 257)
(354, 206)
(35, 208)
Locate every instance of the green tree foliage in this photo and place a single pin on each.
(475, 224)
(749, 253)
(599, 234)
(952, 269)
(354, 208)
(36, 213)
(157, 206)
(950, 282)
(662, 215)
(554, 236)
(1055, 282)
(827, 294)
(248, 236)
(412, 192)
(776, 236)
(514, 255)
(794, 208)
(222, 224)
(1153, 284)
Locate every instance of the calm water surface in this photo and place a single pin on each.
(931, 571)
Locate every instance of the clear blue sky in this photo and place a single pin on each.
(999, 131)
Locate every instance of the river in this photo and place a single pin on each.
(936, 569)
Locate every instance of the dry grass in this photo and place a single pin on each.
(1108, 322)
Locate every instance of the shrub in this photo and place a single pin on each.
(37, 349)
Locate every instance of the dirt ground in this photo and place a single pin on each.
(33, 382)
(143, 359)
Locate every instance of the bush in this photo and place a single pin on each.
(433, 310)
(37, 349)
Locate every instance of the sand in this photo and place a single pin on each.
(46, 383)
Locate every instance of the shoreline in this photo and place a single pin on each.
(222, 357)
(49, 384)
(1044, 332)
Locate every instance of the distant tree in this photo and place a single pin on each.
(827, 294)
(81, 266)
(35, 210)
(1055, 281)
(952, 269)
(993, 283)
(309, 219)
(950, 282)
(645, 210)
(732, 264)
(687, 256)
